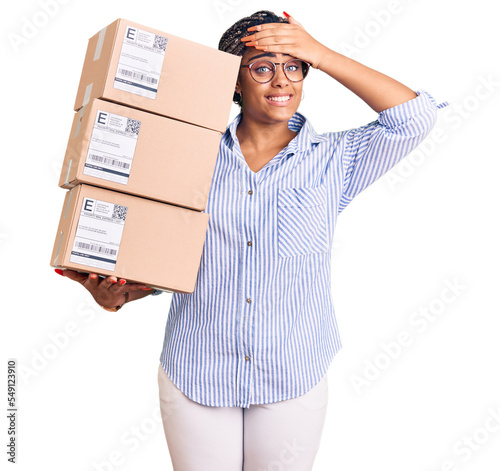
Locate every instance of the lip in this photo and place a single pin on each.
(279, 103)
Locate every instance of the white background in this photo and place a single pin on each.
(87, 398)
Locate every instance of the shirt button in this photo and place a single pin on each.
(247, 358)
(249, 242)
(249, 300)
(250, 192)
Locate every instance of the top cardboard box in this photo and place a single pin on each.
(154, 71)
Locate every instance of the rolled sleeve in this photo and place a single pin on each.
(372, 150)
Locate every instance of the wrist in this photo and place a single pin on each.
(321, 57)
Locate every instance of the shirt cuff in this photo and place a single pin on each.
(399, 114)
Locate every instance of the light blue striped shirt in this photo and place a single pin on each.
(260, 326)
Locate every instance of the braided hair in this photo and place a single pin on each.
(231, 40)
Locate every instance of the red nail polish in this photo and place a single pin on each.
(122, 282)
(93, 276)
(286, 14)
(58, 271)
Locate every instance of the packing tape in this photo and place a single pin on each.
(58, 248)
(61, 233)
(88, 92)
(68, 204)
(66, 180)
(80, 117)
(100, 42)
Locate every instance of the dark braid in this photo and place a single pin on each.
(231, 40)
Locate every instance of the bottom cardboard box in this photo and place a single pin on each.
(143, 241)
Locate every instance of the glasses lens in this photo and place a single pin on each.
(262, 71)
(296, 70)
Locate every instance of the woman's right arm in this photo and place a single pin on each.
(108, 292)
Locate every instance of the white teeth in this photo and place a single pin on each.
(279, 98)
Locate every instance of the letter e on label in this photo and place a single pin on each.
(130, 34)
(88, 205)
(102, 117)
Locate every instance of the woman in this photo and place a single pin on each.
(243, 371)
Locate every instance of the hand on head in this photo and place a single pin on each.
(286, 38)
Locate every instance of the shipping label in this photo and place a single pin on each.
(99, 234)
(140, 62)
(112, 147)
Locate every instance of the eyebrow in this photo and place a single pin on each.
(265, 54)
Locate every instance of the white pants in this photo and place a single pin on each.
(282, 436)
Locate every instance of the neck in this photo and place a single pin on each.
(257, 134)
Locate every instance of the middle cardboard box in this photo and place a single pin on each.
(124, 149)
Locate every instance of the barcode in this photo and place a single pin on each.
(133, 126)
(131, 73)
(120, 212)
(160, 42)
(108, 161)
(95, 248)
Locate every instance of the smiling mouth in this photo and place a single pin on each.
(280, 99)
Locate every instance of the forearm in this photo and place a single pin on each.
(377, 90)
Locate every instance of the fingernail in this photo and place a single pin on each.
(113, 281)
(93, 276)
(146, 289)
(251, 43)
(286, 14)
(122, 282)
(58, 271)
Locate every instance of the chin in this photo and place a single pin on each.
(270, 113)
(284, 113)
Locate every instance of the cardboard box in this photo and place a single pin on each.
(155, 71)
(141, 240)
(144, 154)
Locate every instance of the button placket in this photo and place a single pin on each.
(249, 257)
(247, 282)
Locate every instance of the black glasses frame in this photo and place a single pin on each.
(283, 65)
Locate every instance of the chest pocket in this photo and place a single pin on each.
(302, 221)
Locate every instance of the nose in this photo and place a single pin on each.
(280, 79)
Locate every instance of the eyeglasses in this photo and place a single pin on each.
(261, 71)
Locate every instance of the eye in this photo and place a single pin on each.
(293, 67)
(262, 68)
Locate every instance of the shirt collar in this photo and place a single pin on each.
(303, 141)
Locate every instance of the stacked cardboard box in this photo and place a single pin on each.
(150, 111)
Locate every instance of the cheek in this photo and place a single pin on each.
(247, 83)
(250, 89)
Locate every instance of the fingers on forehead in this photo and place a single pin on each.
(266, 26)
